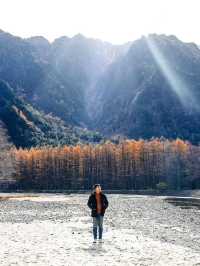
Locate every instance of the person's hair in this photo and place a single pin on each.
(95, 185)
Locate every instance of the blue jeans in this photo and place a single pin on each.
(98, 222)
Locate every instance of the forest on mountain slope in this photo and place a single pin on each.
(27, 127)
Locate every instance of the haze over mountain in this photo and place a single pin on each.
(154, 90)
(142, 89)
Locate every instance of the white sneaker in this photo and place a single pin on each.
(100, 240)
(94, 241)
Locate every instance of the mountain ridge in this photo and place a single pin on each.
(142, 89)
(139, 75)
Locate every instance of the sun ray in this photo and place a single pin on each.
(182, 90)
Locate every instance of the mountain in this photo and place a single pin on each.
(55, 77)
(34, 78)
(27, 127)
(152, 91)
(84, 89)
(78, 62)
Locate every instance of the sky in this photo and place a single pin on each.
(115, 21)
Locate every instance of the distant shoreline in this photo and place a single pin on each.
(181, 193)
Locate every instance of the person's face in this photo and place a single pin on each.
(98, 189)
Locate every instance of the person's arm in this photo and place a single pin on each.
(106, 202)
(89, 202)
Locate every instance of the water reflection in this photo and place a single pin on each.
(185, 203)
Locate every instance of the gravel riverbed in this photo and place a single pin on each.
(56, 230)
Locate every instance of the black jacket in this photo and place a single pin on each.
(92, 204)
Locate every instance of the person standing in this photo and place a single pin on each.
(98, 203)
